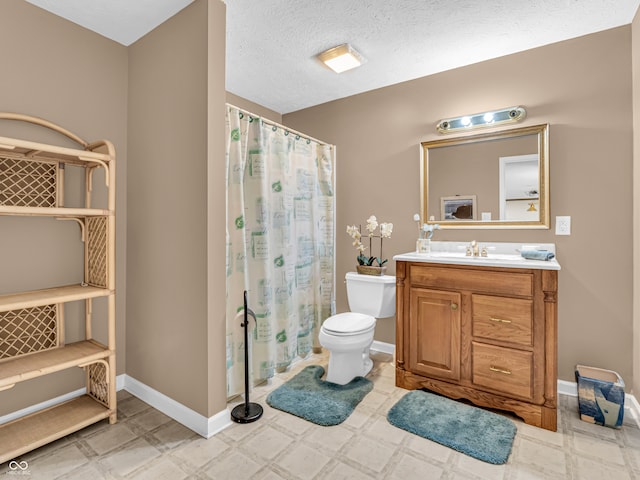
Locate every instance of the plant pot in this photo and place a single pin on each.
(371, 270)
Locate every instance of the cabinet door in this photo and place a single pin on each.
(434, 333)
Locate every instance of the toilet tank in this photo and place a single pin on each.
(373, 295)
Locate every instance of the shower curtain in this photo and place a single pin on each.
(280, 244)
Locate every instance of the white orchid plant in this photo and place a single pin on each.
(372, 225)
(425, 230)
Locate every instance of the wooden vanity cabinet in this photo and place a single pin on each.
(485, 334)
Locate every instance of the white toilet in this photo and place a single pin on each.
(348, 336)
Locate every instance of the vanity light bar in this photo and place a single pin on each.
(484, 119)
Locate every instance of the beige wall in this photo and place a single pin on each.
(66, 74)
(635, 31)
(253, 107)
(582, 88)
(216, 211)
(168, 330)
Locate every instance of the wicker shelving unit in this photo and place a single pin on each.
(32, 324)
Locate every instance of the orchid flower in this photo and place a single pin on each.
(386, 229)
(371, 226)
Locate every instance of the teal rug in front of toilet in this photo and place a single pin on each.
(324, 403)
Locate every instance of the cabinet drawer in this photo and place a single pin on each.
(503, 369)
(479, 280)
(504, 319)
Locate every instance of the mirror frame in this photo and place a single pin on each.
(542, 131)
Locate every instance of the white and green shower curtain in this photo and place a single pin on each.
(280, 244)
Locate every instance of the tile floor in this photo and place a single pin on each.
(146, 444)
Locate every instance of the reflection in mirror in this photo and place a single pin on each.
(519, 187)
(490, 180)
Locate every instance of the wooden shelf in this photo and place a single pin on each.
(19, 369)
(33, 431)
(40, 150)
(48, 296)
(32, 323)
(54, 211)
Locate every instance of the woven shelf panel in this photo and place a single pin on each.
(28, 330)
(98, 383)
(25, 183)
(97, 251)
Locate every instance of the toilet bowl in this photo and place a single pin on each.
(348, 336)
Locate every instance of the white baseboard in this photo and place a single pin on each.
(207, 427)
(191, 419)
(41, 406)
(634, 407)
(383, 347)
(567, 388)
(53, 401)
(120, 379)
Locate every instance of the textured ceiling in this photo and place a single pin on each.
(271, 44)
(124, 21)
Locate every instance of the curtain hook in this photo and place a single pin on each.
(274, 128)
(297, 137)
(241, 115)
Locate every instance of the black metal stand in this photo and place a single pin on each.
(248, 411)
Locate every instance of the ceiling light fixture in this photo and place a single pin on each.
(341, 58)
(484, 119)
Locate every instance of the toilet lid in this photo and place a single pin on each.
(348, 323)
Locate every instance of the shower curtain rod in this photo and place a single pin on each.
(278, 125)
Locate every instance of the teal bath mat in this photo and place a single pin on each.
(320, 402)
(475, 432)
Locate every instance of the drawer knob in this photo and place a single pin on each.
(454, 306)
(500, 370)
(499, 320)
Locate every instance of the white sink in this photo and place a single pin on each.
(499, 254)
(491, 257)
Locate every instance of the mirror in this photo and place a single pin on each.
(489, 180)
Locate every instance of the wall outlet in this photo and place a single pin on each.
(563, 225)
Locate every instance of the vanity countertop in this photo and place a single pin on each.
(500, 254)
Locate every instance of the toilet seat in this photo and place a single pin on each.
(348, 324)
